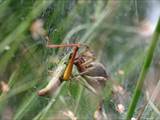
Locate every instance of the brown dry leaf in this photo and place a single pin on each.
(70, 114)
(146, 28)
(120, 72)
(118, 89)
(7, 113)
(100, 113)
(37, 29)
(133, 118)
(4, 87)
(120, 108)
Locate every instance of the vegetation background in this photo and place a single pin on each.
(119, 31)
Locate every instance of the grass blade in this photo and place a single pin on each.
(144, 71)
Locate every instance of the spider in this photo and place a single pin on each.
(92, 71)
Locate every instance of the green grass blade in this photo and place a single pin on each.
(17, 33)
(25, 106)
(42, 114)
(144, 71)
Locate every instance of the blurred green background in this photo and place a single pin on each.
(119, 32)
